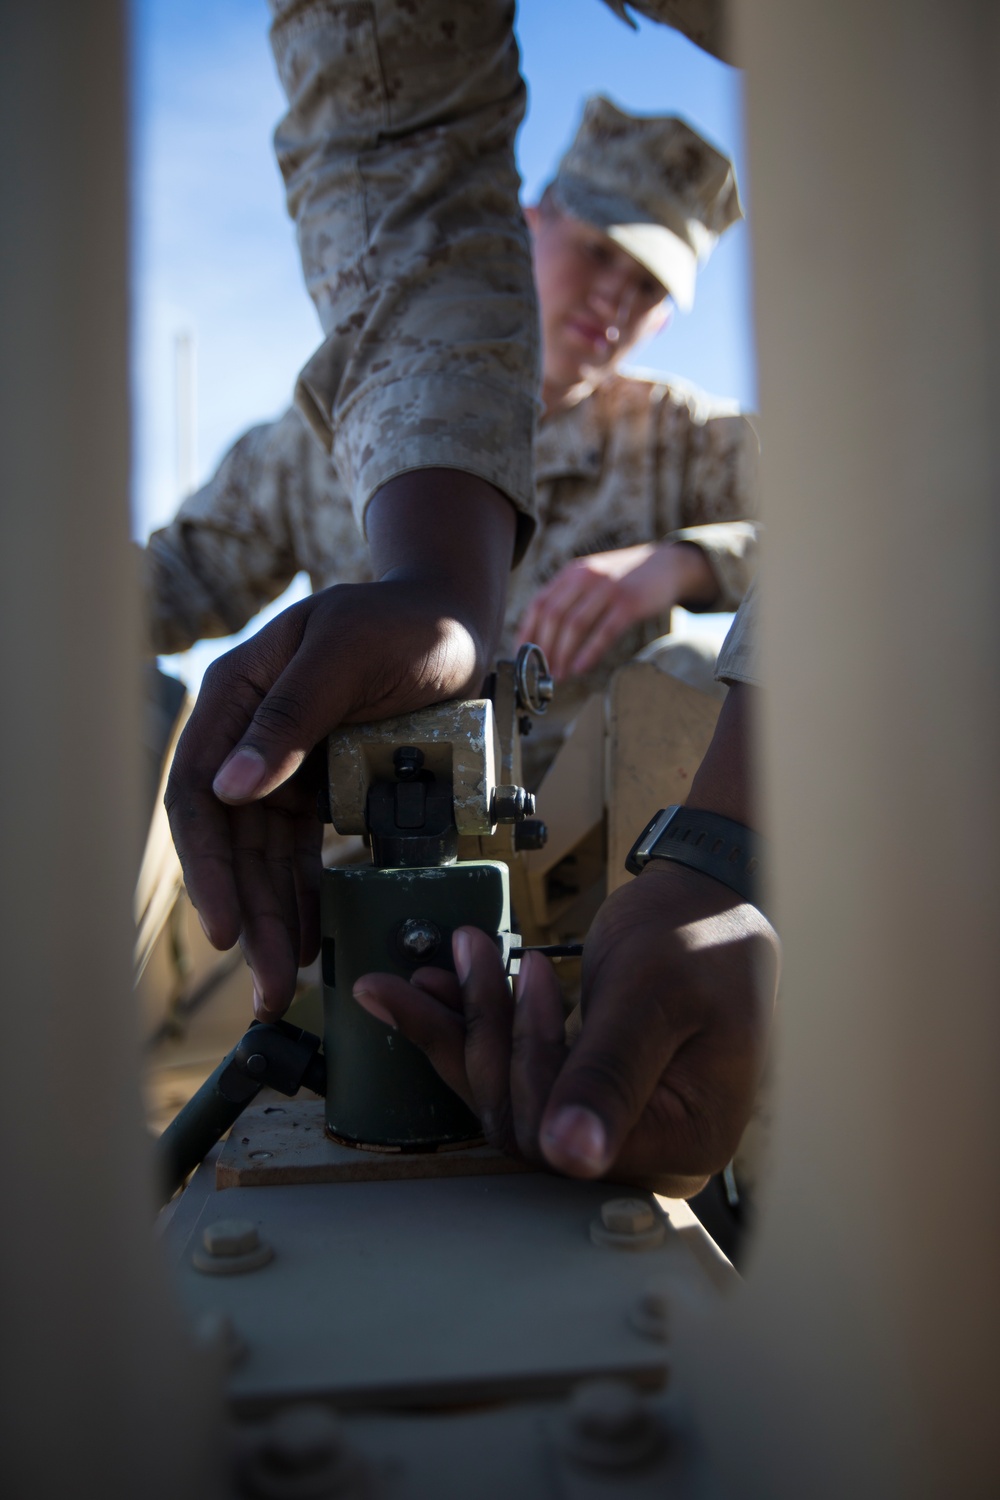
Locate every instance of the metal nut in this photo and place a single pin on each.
(531, 834)
(629, 1224)
(407, 761)
(609, 1426)
(230, 1237)
(303, 1454)
(511, 804)
(230, 1247)
(627, 1215)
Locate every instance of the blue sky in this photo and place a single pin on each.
(214, 253)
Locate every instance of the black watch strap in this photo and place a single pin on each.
(717, 846)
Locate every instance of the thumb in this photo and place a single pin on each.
(304, 703)
(601, 1092)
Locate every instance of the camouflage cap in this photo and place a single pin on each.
(654, 186)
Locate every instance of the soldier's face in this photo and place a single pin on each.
(596, 302)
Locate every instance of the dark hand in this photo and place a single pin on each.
(678, 981)
(679, 978)
(242, 791)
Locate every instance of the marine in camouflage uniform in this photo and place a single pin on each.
(623, 461)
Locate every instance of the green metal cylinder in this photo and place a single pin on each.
(381, 1090)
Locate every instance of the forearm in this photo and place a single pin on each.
(725, 782)
(688, 577)
(452, 534)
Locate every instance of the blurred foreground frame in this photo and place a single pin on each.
(860, 1356)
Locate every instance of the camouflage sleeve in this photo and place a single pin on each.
(730, 548)
(231, 549)
(704, 22)
(398, 160)
(738, 657)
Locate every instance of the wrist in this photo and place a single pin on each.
(694, 584)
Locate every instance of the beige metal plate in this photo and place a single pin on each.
(434, 1292)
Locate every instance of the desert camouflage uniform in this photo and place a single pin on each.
(636, 460)
(397, 152)
(738, 657)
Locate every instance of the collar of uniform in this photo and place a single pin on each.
(571, 442)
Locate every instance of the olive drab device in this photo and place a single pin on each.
(437, 794)
(414, 785)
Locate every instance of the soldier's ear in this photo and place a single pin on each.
(532, 215)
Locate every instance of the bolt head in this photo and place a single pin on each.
(228, 1237)
(511, 804)
(302, 1439)
(256, 1065)
(654, 1302)
(609, 1426)
(531, 834)
(407, 761)
(419, 939)
(606, 1409)
(627, 1215)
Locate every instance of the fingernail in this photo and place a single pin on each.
(367, 1001)
(259, 1008)
(462, 953)
(577, 1138)
(240, 776)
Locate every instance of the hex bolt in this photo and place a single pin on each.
(407, 760)
(230, 1247)
(609, 1426)
(230, 1237)
(531, 834)
(629, 1224)
(418, 939)
(302, 1454)
(302, 1438)
(511, 804)
(627, 1215)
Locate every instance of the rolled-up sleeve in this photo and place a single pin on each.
(397, 153)
(738, 657)
(730, 549)
(231, 547)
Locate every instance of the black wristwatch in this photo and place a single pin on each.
(705, 841)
